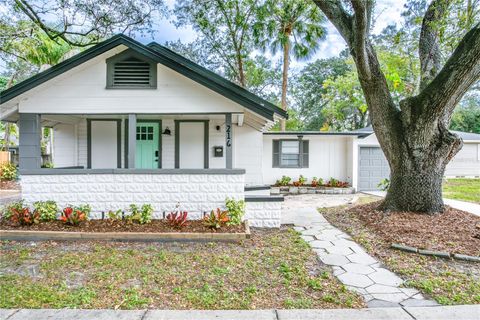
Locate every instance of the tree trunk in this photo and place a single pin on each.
(413, 191)
(7, 135)
(417, 164)
(286, 62)
(241, 73)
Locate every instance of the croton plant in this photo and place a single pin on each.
(74, 215)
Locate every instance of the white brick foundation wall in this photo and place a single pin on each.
(195, 192)
(264, 214)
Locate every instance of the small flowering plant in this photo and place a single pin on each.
(75, 215)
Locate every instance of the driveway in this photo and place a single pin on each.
(473, 208)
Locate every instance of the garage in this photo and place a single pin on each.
(372, 168)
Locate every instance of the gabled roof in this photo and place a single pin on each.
(161, 55)
(468, 136)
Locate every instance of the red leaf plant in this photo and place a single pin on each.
(73, 216)
(177, 219)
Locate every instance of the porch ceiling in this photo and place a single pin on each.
(50, 120)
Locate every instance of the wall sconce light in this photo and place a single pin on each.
(167, 131)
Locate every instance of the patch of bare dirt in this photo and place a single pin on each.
(454, 231)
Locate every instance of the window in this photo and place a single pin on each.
(129, 70)
(290, 153)
(145, 133)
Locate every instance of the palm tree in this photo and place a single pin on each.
(293, 26)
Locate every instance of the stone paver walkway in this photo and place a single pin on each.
(351, 264)
(9, 196)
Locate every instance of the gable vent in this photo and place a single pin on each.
(132, 72)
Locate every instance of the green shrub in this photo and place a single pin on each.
(236, 210)
(384, 184)
(46, 209)
(284, 181)
(47, 165)
(115, 215)
(302, 180)
(141, 215)
(8, 172)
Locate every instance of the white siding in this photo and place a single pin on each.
(216, 138)
(64, 145)
(82, 90)
(466, 162)
(328, 157)
(248, 152)
(168, 145)
(82, 143)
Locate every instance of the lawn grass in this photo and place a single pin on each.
(275, 269)
(462, 189)
(449, 282)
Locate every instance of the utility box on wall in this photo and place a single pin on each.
(218, 151)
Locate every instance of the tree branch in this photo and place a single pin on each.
(338, 16)
(429, 42)
(461, 71)
(361, 23)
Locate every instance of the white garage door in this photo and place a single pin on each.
(373, 167)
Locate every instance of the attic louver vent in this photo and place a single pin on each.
(131, 72)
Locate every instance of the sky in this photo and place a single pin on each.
(386, 12)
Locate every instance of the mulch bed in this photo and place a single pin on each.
(159, 226)
(9, 185)
(454, 231)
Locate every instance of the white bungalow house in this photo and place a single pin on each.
(136, 123)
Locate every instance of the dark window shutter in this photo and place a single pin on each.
(276, 154)
(304, 155)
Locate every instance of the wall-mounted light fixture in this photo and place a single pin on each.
(167, 131)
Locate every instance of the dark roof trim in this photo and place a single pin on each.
(162, 55)
(315, 133)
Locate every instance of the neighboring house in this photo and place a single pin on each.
(353, 156)
(136, 123)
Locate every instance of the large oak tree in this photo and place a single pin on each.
(413, 133)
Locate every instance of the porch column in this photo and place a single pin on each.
(132, 139)
(228, 141)
(30, 131)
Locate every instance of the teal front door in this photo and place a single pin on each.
(148, 145)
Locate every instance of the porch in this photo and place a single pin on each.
(112, 161)
(133, 141)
